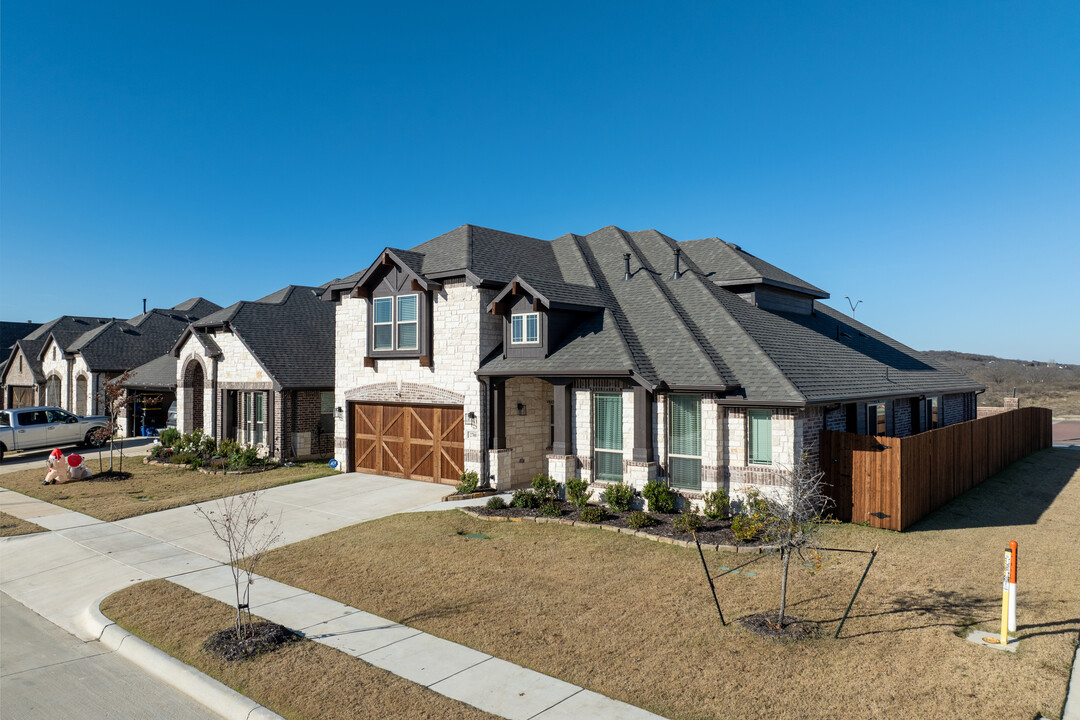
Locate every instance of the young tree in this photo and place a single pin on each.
(248, 533)
(114, 397)
(792, 524)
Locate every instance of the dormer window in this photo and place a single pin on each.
(395, 322)
(525, 329)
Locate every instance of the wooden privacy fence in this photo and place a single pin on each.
(893, 482)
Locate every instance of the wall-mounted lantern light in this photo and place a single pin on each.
(521, 409)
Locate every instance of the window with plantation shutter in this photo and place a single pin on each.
(759, 437)
(684, 441)
(607, 436)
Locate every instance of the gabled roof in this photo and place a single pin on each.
(9, 333)
(64, 330)
(290, 332)
(687, 332)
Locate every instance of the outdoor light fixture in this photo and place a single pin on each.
(338, 411)
(521, 408)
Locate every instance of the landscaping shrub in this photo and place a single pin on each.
(246, 459)
(639, 519)
(619, 496)
(717, 504)
(745, 527)
(661, 498)
(160, 452)
(551, 509)
(208, 446)
(524, 499)
(196, 463)
(229, 447)
(496, 502)
(545, 488)
(578, 492)
(592, 514)
(688, 521)
(169, 437)
(469, 481)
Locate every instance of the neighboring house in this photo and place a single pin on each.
(262, 373)
(25, 382)
(81, 367)
(10, 332)
(611, 356)
(65, 362)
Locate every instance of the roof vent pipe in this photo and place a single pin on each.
(678, 272)
(626, 257)
(144, 305)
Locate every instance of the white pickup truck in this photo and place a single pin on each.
(43, 427)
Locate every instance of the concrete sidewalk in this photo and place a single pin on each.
(64, 574)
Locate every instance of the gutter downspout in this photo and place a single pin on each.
(214, 399)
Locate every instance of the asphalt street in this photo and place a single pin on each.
(47, 674)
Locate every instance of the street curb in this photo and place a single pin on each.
(202, 688)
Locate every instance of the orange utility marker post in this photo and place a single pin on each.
(1008, 582)
(1012, 586)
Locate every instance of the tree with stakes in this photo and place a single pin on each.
(248, 533)
(793, 524)
(114, 397)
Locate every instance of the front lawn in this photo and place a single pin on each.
(11, 525)
(635, 620)
(300, 680)
(151, 487)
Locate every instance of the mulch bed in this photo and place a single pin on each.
(714, 532)
(264, 637)
(764, 624)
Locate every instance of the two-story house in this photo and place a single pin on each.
(610, 356)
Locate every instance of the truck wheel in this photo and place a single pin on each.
(1, 453)
(93, 439)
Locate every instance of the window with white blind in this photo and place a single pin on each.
(759, 437)
(607, 436)
(395, 322)
(684, 441)
(252, 428)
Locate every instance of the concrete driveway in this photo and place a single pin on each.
(305, 510)
(60, 574)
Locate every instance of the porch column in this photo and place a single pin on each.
(497, 424)
(643, 434)
(564, 428)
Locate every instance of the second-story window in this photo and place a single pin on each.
(525, 328)
(395, 323)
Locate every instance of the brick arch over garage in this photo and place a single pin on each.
(413, 393)
(409, 431)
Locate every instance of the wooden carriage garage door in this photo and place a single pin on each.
(419, 442)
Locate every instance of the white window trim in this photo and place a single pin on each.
(701, 439)
(525, 328)
(394, 323)
(750, 439)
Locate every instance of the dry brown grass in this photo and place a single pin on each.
(11, 525)
(298, 680)
(151, 488)
(634, 619)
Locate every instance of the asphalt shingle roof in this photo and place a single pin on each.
(158, 373)
(686, 331)
(290, 332)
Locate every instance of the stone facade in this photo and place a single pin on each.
(19, 375)
(463, 333)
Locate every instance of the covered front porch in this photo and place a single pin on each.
(601, 429)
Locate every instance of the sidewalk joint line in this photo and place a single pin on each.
(579, 690)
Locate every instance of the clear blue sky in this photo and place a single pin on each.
(921, 157)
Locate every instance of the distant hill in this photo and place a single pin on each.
(1043, 383)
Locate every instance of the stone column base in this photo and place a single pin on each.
(639, 473)
(561, 468)
(501, 464)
